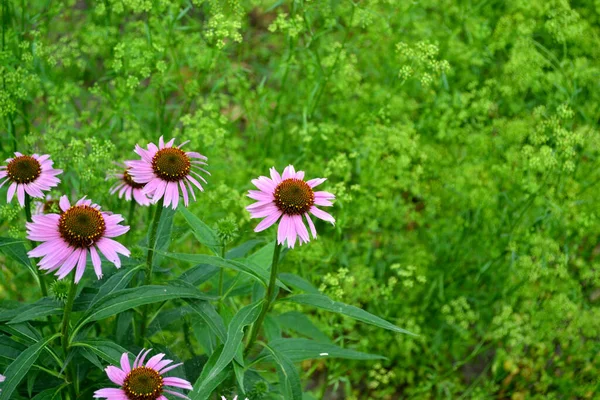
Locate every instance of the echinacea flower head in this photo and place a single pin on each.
(67, 238)
(166, 169)
(142, 381)
(28, 174)
(129, 188)
(287, 198)
(45, 206)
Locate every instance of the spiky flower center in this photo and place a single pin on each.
(294, 196)
(171, 164)
(130, 182)
(24, 169)
(143, 383)
(81, 226)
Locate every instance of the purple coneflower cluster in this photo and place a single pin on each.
(163, 173)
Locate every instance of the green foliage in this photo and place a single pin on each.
(461, 141)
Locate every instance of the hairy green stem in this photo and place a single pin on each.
(65, 334)
(41, 279)
(149, 262)
(269, 299)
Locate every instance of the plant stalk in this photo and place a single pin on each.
(65, 334)
(269, 299)
(149, 261)
(41, 279)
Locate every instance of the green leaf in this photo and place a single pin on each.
(297, 282)
(235, 333)
(259, 274)
(41, 308)
(209, 386)
(9, 349)
(264, 256)
(297, 322)
(105, 349)
(18, 369)
(117, 281)
(325, 303)
(209, 315)
(199, 274)
(243, 249)
(299, 349)
(126, 299)
(15, 249)
(201, 231)
(288, 374)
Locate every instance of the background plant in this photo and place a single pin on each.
(459, 137)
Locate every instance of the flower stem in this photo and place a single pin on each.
(131, 213)
(65, 333)
(41, 279)
(269, 299)
(152, 241)
(149, 261)
(221, 273)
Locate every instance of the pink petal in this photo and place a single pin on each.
(142, 358)
(170, 143)
(69, 264)
(169, 368)
(264, 211)
(291, 233)
(322, 215)
(81, 265)
(111, 394)
(115, 375)
(322, 202)
(275, 175)
(176, 394)
(184, 192)
(195, 182)
(324, 195)
(64, 203)
(283, 228)
(315, 182)
(267, 222)
(11, 192)
(125, 365)
(161, 143)
(313, 230)
(96, 262)
(154, 360)
(301, 228)
(300, 175)
(260, 195)
(177, 382)
(289, 172)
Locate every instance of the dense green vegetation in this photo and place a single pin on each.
(459, 136)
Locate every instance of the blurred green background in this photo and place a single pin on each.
(460, 137)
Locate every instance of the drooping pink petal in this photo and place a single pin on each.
(177, 382)
(313, 230)
(322, 215)
(267, 222)
(11, 192)
(283, 228)
(96, 262)
(111, 394)
(81, 265)
(301, 228)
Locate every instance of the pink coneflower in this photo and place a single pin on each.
(45, 206)
(127, 187)
(288, 196)
(68, 237)
(28, 174)
(142, 382)
(166, 169)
